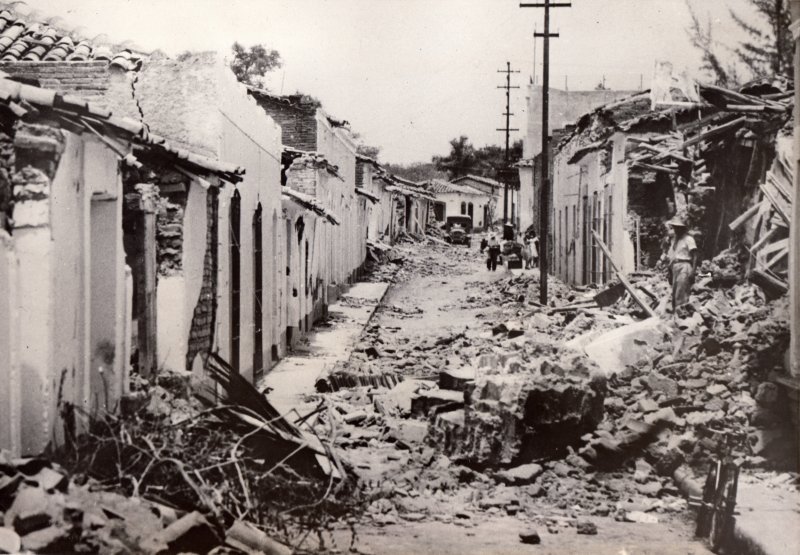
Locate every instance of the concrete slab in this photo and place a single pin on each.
(294, 377)
(767, 523)
(614, 350)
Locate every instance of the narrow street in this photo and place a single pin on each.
(247, 303)
(440, 315)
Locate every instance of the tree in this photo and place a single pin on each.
(770, 50)
(461, 160)
(250, 65)
(417, 171)
(486, 161)
(767, 50)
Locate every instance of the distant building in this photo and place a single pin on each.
(458, 199)
(565, 108)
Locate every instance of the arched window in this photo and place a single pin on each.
(470, 210)
(463, 208)
(258, 294)
(235, 233)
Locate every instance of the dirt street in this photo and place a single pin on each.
(441, 313)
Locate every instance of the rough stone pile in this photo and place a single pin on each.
(520, 410)
(45, 511)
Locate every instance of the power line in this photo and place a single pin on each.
(508, 71)
(544, 203)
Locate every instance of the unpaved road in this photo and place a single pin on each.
(444, 292)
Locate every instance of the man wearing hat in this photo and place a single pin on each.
(682, 262)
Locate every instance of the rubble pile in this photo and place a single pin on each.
(172, 474)
(439, 259)
(457, 440)
(528, 407)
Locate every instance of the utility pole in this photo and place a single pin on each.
(508, 71)
(544, 202)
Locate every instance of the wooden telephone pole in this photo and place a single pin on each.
(508, 71)
(544, 201)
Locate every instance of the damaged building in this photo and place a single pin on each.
(206, 224)
(623, 170)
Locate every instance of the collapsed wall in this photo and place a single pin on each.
(517, 411)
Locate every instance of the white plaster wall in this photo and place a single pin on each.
(527, 202)
(177, 295)
(107, 279)
(36, 296)
(248, 137)
(350, 248)
(10, 393)
(585, 177)
(70, 203)
(453, 202)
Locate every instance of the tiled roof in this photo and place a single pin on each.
(23, 41)
(26, 102)
(479, 179)
(439, 186)
(372, 197)
(309, 203)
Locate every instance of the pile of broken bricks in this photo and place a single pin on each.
(711, 367)
(43, 510)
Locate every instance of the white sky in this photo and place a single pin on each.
(409, 75)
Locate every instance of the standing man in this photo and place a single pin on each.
(494, 252)
(682, 262)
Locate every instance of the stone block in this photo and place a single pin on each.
(457, 379)
(520, 475)
(423, 403)
(9, 541)
(510, 418)
(620, 347)
(53, 539)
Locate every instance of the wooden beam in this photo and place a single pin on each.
(713, 132)
(776, 246)
(745, 216)
(621, 276)
(147, 316)
(783, 253)
(763, 240)
(773, 198)
(655, 168)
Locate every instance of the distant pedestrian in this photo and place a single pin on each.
(484, 244)
(494, 253)
(535, 251)
(527, 254)
(682, 263)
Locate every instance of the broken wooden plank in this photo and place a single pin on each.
(772, 195)
(776, 246)
(783, 253)
(763, 240)
(621, 276)
(785, 191)
(745, 216)
(653, 167)
(769, 282)
(700, 137)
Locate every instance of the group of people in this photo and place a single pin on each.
(529, 251)
(681, 258)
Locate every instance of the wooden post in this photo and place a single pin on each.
(794, 241)
(621, 276)
(147, 314)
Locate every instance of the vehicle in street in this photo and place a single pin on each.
(458, 230)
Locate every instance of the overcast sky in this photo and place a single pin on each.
(409, 75)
